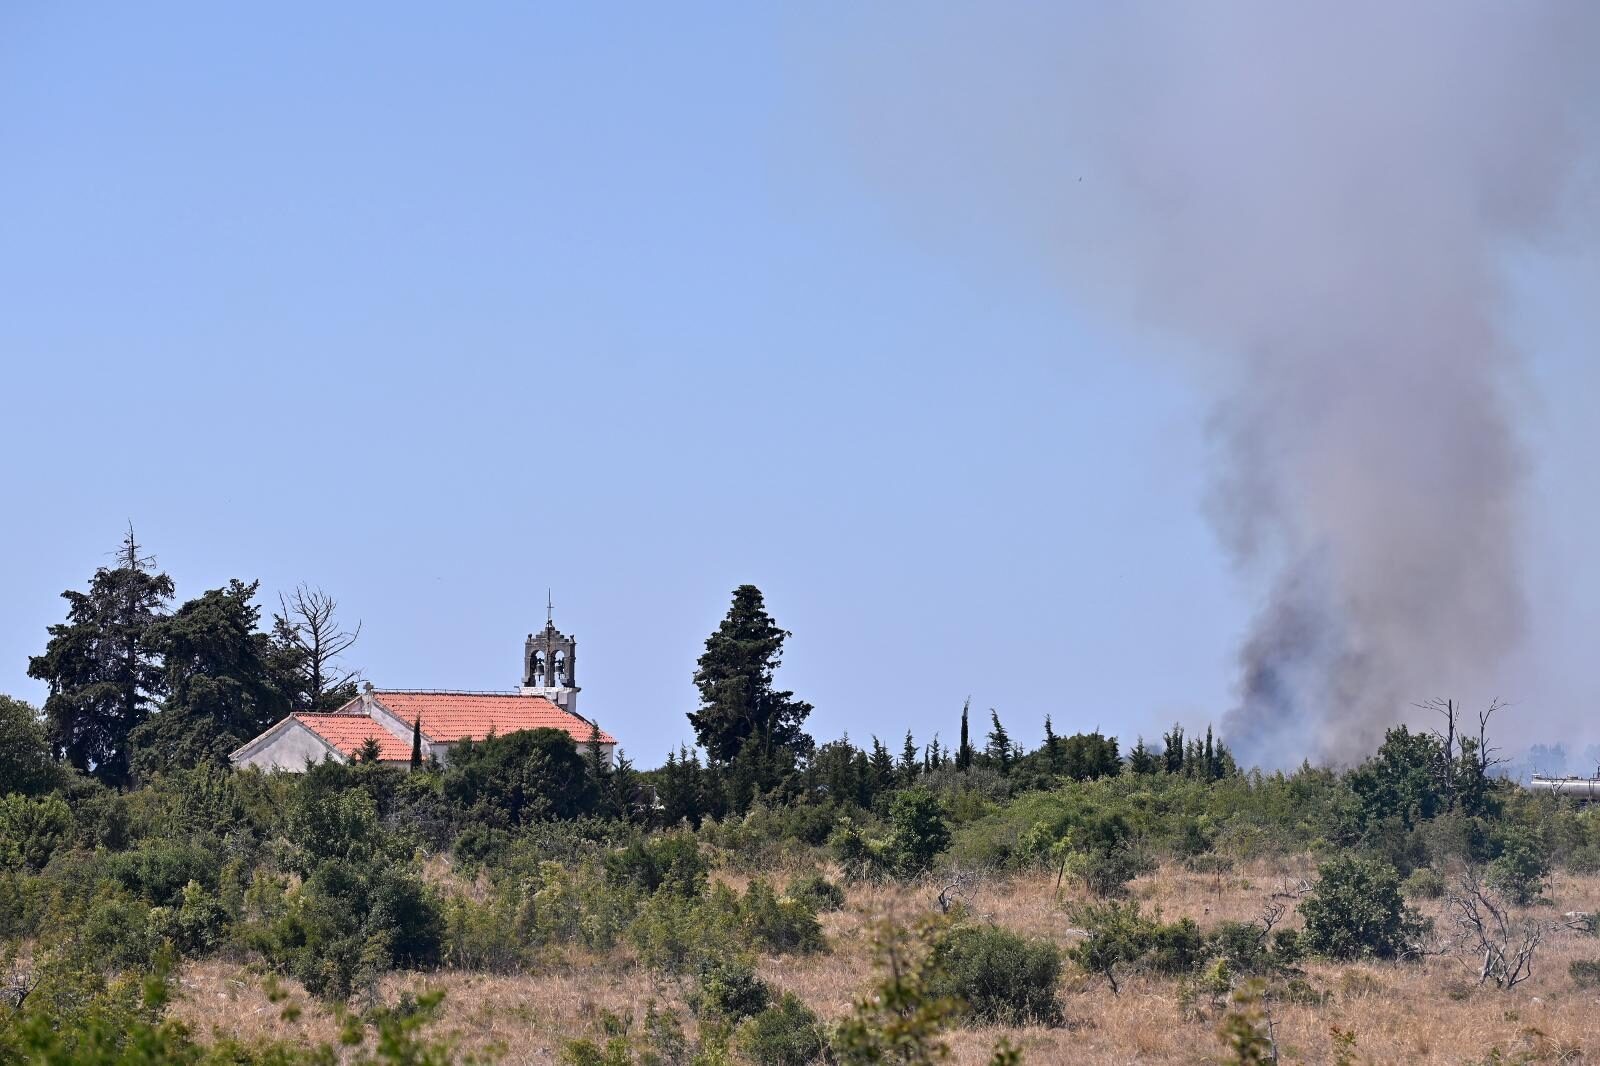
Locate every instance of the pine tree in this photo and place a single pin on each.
(908, 760)
(681, 788)
(935, 755)
(104, 677)
(882, 768)
(964, 752)
(1142, 760)
(624, 787)
(220, 686)
(1210, 757)
(416, 744)
(999, 747)
(739, 706)
(599, 765)
(1052, 748)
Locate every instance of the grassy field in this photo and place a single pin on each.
(1429, 1011)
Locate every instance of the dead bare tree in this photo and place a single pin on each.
(1505, 947)
(962, 887)
(306, 624)
(1465, 760)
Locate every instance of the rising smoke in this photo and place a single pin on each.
(1320, 199)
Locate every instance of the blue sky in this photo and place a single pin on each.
(437, 310)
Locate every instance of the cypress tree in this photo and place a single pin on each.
(1052, 747)
(739, 705)
(964, 752)
(416, 744)
(999, 749)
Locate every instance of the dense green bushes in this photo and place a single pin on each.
(999, 977)
(1356, 911)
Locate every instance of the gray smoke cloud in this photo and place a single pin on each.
(1318, 199)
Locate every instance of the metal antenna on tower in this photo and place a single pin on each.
(549, 607)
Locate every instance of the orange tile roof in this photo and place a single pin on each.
(348, 732)
(452, 716)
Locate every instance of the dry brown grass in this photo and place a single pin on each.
(1425, 1012)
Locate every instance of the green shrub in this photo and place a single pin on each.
(1002, 978)
(1519, 870)
(818, 893)
(778, 925)
(787, 1033)
(1243, 945)
(575, 906)
(197, 926)
(1585, 972)
(160, 871)
(917, 830)
(729, 989)
(1355, 910)
(1424, 883)
(1116, 938)
(31, 830)
(1176, 947)
(671, 862)
(1106, 871)
(675, 935)
(480, 936)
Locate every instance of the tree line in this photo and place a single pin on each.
(135, 687)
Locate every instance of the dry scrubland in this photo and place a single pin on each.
(1419, 1012)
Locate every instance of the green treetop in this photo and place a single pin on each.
(739, 706)
(103, 671)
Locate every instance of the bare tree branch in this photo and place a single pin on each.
(308, 624)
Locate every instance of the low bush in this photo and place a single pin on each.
(1424, 883)
(1000, 977)
(1355, 910)
(730, 990)
(671, 862)
(1520, 867)
(780, 925)
(1585, 972)
(787, 1033)
(818, 893)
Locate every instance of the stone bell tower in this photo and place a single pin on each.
(549, 664)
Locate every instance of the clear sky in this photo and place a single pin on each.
(437, 307)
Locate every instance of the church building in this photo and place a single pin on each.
(548, 699)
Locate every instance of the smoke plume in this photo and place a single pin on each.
(1320, 200)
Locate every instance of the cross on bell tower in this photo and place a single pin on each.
(549, 663)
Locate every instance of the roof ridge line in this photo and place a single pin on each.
(450, 691)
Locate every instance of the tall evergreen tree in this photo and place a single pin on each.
(999, 748)
(882, 768)
(964, 752)
(1141, 760)
(416, 744)
(220, 689)
(1052, 747)
(1172, 758)
(909, 762)
(599, 767)
(739, 707)
(624, 787)
(681, 788)
(104, 675)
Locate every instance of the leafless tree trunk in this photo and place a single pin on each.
(1503, 946)
(308, 624)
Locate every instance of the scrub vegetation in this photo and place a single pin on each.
(759, 898)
